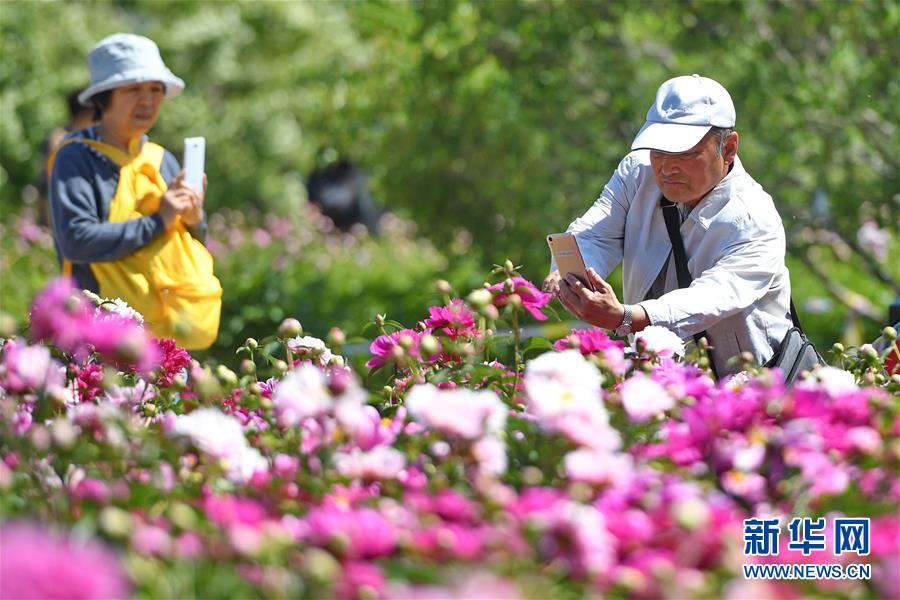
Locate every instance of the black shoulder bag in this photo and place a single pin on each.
(796, 353)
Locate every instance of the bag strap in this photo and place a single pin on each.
(673, 226)
(794, 318)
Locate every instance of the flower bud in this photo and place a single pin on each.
(691, 513)
(387, 390)
(406, 342)
(290, 328)
(115, 522)
(7, 325)
(254, 388)
(509, 286)
(280, 366)
(40, 437)
(336, 337)
(248, 367)
(63, 433)
(509, 266)
(320, 565)
(226, 375)
(397, 352)
(429, 345)
(443, 287)
(837, 347)
(480, 298)
(491, 312)
(868, 350)
(889, 333)
(515, 300)
(251, 343)
(149, 409)
(380, 319)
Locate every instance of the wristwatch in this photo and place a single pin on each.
(625, 327)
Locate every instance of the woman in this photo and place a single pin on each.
(124, 222)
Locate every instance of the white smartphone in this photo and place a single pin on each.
(568, 257)
(194, 159)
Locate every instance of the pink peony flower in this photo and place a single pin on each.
(36, 563)
(533, 300)
(29, 368)
(643, 398)
(88, 381)
(386, 347)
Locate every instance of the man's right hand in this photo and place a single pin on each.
(551, 283)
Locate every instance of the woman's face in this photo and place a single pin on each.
(133, 109)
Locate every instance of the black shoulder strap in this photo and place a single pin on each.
(673, 226)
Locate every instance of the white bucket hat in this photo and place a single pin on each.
(685, 109)
(123, 59)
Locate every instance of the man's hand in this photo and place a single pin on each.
(551, 283)
(600, 308)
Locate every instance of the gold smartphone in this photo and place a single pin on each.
(568, 257)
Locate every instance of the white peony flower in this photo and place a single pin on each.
(560, 383)
(463, 412)
(831, 379)
(212, 431)
(303, 393)
(313, 344)
(661, 341)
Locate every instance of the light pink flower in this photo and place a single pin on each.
(598, 467)
(29, 368)
(490, 452)
(462, 412)
(644, 398)
(382, 462)
(38, 564)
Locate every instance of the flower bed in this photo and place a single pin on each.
(486, 466)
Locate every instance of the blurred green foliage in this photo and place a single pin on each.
(488, 123)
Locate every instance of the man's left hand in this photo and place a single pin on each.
(599, 307)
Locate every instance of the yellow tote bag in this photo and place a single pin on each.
(170, 280)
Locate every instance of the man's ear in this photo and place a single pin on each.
(731, 147)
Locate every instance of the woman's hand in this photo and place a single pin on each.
(177, 200)
(184, 201)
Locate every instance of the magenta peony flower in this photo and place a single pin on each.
(360, 579)
(172, 362)
(533, 300)
(62, 315)
(455, 320)
(361, 533)
(36, 563)
(88, 381)
(383, 347)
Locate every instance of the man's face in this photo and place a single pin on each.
(687, 177)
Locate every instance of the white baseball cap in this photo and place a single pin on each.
(123, 59)
(686, 108)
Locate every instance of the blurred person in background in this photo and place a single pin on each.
(129, 83)
(79, 118)
(340, 190)
(733, 237)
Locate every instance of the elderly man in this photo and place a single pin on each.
(732, 235)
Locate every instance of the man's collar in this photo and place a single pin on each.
(713, 202)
